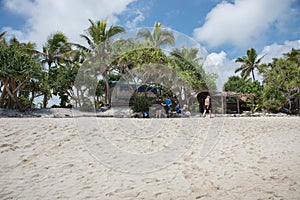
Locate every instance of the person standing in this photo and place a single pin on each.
(158, 108)
(167, 105)
(207, 106)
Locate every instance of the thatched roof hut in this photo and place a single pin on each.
(236, 95)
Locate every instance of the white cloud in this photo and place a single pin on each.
(277, 50)
(219, 64)
(240, 23)
(138, 18)
(44, 17)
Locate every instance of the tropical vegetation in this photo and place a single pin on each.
(279, 89)
(84, 75)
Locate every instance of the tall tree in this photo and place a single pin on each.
(98, 32)
(17, 67)
(158, 36)
(54, 54)
(98, 38)
(250, 62)
(281, 81)
(186, 62)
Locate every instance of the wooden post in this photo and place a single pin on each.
(238, 104)
(252, 108)
(222, 100)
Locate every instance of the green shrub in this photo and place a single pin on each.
(25, 103)
(141, 104)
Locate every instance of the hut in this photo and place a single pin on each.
(227, 102)
(235, 106)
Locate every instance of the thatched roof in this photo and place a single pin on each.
(234, 94)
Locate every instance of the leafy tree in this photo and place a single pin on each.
(237, 84)
(293, 56)
(245, 86)
(140, 56)
(250, 62)
(186, 63)
(17, 67)
(64, 82)
(281, 81)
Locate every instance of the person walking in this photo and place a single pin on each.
(207, 106)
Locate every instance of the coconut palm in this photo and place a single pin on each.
(250, 62)
(98, 34)
(2, 39)
(158, 36)
(55, 53)
(55, 50)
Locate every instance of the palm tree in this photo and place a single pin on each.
(2, 35)
(99, 34)
(250, 62)
(2, 39)
(55, 53)
(55, 50)
(190, 56)
(158, 36)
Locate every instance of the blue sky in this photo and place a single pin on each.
(225, 29)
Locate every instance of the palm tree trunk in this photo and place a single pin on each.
(78, 97)
(107, 89)
(32, 97)
(45, 100)
(253, 77)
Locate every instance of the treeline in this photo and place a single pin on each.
(26, 73)
(279, 90)
(79, 74)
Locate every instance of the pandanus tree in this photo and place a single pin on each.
(17, 68)
(186, 63)
(249, 64)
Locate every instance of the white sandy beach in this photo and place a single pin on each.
(116, 158)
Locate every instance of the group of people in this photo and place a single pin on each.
(167, 103)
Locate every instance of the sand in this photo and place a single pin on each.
(119, 158)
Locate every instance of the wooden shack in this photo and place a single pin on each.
(227, 102)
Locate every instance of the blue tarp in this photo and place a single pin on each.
(147, 89)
